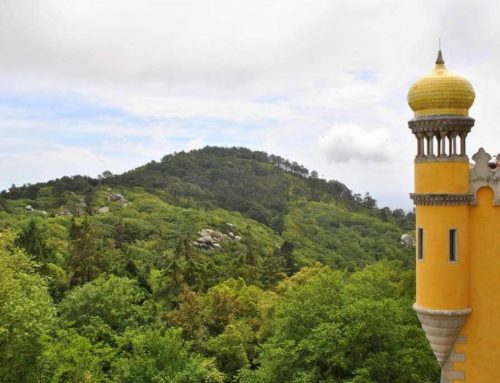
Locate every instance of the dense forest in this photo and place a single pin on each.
(216, 265)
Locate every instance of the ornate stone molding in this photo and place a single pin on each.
(441, 138)
(441, 199)
(441, 123)
(456, 158)
(481, 175)
(442, 328)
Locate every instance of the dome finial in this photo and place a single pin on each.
(440, 54)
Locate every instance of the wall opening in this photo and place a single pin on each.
(453, 255)
(420, 244)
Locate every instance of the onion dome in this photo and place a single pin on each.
(441, 93)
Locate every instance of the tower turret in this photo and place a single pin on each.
(440, 102)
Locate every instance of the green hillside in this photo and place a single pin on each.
(216, 265)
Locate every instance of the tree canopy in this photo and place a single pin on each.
(219, 265)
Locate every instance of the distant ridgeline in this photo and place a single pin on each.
(256, 184)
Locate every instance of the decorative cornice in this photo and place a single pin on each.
(456, 158)
(460, 312)
(440, 199)
(441, 123)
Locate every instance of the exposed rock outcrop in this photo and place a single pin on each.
(212, 239)
(115, 197)
(407, 240)
(30, 209)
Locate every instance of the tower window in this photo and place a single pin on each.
(453, 256)
(420, 244)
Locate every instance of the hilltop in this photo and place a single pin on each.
(323, 220)
(215, 265)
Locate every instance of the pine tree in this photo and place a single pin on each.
(272, 269)
(120, 235)
(34, 242)
(83, 261)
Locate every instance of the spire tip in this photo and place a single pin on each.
(439, 59)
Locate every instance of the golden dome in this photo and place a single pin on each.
(441, 93)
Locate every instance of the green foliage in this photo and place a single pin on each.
(26, 313)
(226, 322)
(105, 307)
(233, 347)
(83, 261)
(335, 327)
(305, 282)
(70, 357)
(34, 241)
(336, 236)
(158, 356)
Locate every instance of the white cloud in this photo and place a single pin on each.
(348, 142)
(182, 107)
(285, 70)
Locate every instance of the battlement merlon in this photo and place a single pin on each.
(482, 174)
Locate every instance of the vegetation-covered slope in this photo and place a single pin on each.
(216, 265)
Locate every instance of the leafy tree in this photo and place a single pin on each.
(33, 239)
(233, 347)
(105, 307)
(226, 322)
(369, 202)
(327, 330)
(72, 358)
(26, 313)
(190, 317)
(268, 305)
(155, 355)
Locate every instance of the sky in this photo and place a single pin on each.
(94, 85)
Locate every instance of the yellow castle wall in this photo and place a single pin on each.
(442, 285)
(482, 328)
(442, 177)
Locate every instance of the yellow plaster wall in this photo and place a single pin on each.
(442, 177)
(482, 351)
(442, 285)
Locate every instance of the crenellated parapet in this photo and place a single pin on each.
(481, 175)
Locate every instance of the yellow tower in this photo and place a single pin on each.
(458, 217)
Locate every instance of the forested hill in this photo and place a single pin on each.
(217, 265)
(321, 220)
(259, 185)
